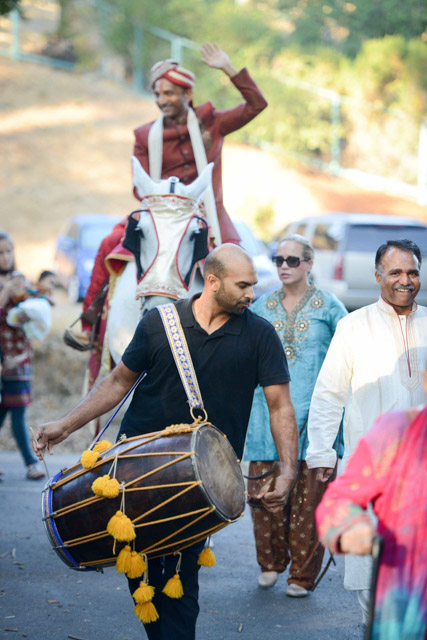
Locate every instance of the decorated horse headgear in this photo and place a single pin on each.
(172, 71)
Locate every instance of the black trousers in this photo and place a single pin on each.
(177, 616)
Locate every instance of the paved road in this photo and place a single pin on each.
(42, 599)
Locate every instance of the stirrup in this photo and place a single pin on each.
(72, 341)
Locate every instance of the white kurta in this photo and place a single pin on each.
(374, 364)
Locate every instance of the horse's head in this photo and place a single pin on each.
(146, 186)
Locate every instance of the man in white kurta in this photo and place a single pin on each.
(374, 364)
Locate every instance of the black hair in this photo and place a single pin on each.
(45, 274)
(214, 265)
(403, 245)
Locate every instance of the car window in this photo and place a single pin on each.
(292, 228)
(92, 235)
(368, 237)
(301, 229)
(73, 232)
(325, 237)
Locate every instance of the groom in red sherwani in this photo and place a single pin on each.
(173, 89)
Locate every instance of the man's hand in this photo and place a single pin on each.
(48, 435)
(273, 494)
(216, 58)
(323, 474)
(285, 433)
(358, 539)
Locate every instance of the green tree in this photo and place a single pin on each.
(6, 6)
(65, 16)
(346, 24)
(264, 220)
(391, 74)
(370, 52)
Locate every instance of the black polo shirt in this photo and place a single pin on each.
(229, 364)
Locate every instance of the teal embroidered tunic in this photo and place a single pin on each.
(305, 334)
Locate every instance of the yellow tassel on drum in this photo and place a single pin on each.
(207, 558)
(146, 612)
(144, 593)
(137, 565)
(145, 609)
(131, 563)
(111, 488)
(173, 587)
(102, 445)
(123, 560)
(121, 528)
(89, 458)
(99, 484)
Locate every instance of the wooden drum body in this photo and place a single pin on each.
(179, 489)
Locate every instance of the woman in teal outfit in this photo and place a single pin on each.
(305, 318)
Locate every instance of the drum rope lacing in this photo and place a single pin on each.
(92, 499)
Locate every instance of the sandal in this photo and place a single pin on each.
(34, 472)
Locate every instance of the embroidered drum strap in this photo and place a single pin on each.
(181, 354)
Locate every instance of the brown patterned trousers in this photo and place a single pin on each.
(289, 536)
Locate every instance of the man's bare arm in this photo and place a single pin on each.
(285, 433)
(103, 397)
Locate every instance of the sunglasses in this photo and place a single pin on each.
(291, 261)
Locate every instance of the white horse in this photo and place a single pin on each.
(167, 236)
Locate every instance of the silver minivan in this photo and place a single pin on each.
(345, 245)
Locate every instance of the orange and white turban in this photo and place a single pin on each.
(172, 71)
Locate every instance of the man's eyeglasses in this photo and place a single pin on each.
(291, 261)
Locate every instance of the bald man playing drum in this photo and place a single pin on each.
(233, 350)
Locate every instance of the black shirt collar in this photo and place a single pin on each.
(233, 325)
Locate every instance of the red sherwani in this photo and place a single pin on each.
(178, 156)
(100, 272)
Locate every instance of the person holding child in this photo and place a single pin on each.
(16, 352)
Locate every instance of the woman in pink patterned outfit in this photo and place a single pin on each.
(389, 469)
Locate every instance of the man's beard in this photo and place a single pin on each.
(223, 300)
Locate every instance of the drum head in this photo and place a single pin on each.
(216, 465)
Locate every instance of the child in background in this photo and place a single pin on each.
(46, 285)
(16, 353)
(32, 310)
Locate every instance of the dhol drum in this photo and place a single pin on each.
(179, 488)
